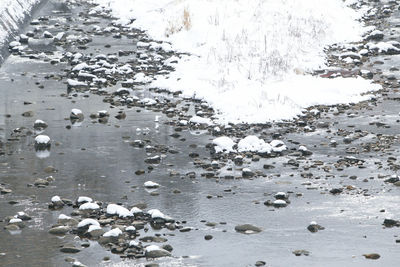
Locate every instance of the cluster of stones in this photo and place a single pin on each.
(115, 227)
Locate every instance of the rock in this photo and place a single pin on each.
(153, 160)
(314, 227)
(156, 239)
(95, 233)
(121, 115)
(247, 173)
(70, 250)
(153, 251)
(76, 114)
(279, 203)
(268, 167)
(42, 142)
(12, 227)
(247, 229)
(39, 124)
(391, 223)
(50, 169)
(59, 230)
(28, 114)
(300, 252)
(168, 247)
(151, 184)
(41, 182)
(23, 216)
(47, 34)
(336, 191)
(78, 264)
(372, 256)
(4, 191)
(208, 237)
(260, 263)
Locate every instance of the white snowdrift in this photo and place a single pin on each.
(249, 57)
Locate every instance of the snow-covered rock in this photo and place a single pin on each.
(223, 144)
(39, 124)
(114, 209)
(254, 144)
(87, 222)
(42, 142)
(76, 114)
(151, 184)
(113, 233)
(89, 206)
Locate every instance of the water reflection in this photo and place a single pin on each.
(42, 154)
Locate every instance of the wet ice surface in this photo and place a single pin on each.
(95, 160)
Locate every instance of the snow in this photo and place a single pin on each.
(93, 228)
(39, 122)
(278, 146)
(12, 14)
(75, 83)
(114, 209)
(56, 199)
(280, 202)
(141, 78)
(64, 217)
(254, 144)
(151, 184)
(248, 58)
(84, 199)
(130, 228)
(201, 120)
(76, 111)
(135, 210)
(42, 139)
(155, 213)
(382, 47)
(133, 243)
(15, 220)
(89, 206)
(88, 221)
(223, 144)
(113, 233)
(303, 148)
(152, 248)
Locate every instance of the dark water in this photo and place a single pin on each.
(95, 160)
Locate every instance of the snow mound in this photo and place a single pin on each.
(114, 209)
(254, 144)
(249, 58)
(223, 144)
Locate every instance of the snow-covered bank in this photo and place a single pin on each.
(250, 57)
(12, 15)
